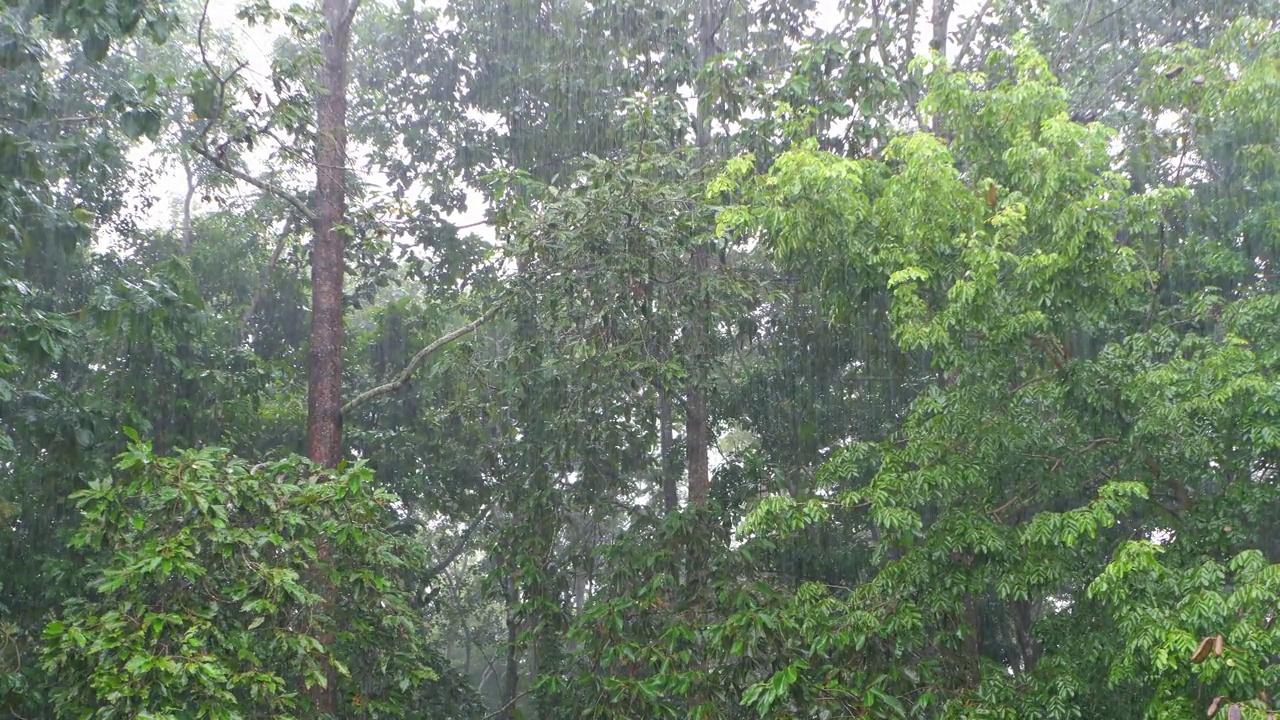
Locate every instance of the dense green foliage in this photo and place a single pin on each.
(979, 299)
(205, 578)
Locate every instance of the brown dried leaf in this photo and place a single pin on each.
(1202, 651)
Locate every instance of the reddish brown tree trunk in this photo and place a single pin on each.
(324, 376)
(324, 395)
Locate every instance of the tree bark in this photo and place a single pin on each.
(696, 409)
(666, 449)
(324, 376)
(973, 636)
(324, 395)
(696, 393)
(511, 688)
(941, 23)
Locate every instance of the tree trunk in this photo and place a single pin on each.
(973, 637)
(941, 22)
(511, 689)
(666, 450)
(1027, 648)
(324, 376)
(466, 640)
(324, 396)
(696, 410)
(696, 395)
(187, 232)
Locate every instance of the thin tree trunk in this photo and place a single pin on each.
(511, 689)
(1027, 647)
(696, 413)
(666, 449)
(187, 233)
(941, 21)
(973, 636)
(466, 640)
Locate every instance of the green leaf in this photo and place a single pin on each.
(95, 46)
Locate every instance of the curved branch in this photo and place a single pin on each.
(463, 541)
(407, 373)
(971, 32)
(510, 703)
(262, 185)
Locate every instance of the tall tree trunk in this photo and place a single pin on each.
(972, 646)
(696, 394)
(1028, 650)
(324, 395)
(696, 408)
(324, 376)
(466, 644)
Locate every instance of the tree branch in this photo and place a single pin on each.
(470, 225)
(971, 32)
(508, 706)
(461, 545)
(407, 373)
(262, 185)
(1071, 41)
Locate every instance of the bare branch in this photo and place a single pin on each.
(204, 18)
(262, 185)
(910, 34)
(51, 121)
(1071, 41)
(470, 225)
(971, 32)
(187, 233)
(463, 541)
(508, 706)
(407, 373)
(882, 45)
(1118, 9)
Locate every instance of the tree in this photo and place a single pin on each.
(210, 580)
(1036, 306)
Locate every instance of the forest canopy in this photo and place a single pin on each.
(714, 359)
